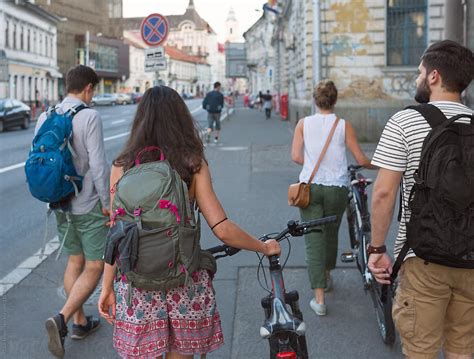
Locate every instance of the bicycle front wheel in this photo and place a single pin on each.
(382, 296)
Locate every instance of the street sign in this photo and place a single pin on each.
(154, 29)
(154, 53)
(156, 65)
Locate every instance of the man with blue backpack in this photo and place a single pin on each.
(67, 169)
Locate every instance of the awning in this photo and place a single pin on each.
(54, 73)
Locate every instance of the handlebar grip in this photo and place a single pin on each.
(217, 249)
(354, 167)
(319, 221)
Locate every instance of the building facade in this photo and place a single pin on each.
(369, 48)
(185, 73)
(28, 38)
(260, 55)
(90, 34)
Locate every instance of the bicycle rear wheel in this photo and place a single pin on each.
(297, 344)
(382, 296)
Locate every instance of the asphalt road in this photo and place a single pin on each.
(23, 218)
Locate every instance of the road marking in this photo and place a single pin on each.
(12, 167)
(116, 136)
(196, 110)
(118, 121)
(27, 266)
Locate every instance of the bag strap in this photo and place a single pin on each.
(148, 149)
(432, 114)
(325, 148)
(399, 261)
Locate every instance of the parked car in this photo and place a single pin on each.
(136, 97)
(124, 98)
(105, 99)
(14, 113)
(187, 96)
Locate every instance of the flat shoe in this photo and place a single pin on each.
(79, 332)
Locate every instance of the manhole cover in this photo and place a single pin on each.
(93, 299)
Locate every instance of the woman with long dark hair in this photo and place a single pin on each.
(163, 120)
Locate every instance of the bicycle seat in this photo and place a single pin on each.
(281, 321)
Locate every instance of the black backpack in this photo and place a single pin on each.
(441, 226)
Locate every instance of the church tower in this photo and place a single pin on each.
(232, 32)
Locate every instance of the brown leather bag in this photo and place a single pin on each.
(299, 193)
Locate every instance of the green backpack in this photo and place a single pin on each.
(154, 196)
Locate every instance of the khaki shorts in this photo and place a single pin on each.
(434, 306)
(87, 233)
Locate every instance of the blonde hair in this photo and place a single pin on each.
(325, 95)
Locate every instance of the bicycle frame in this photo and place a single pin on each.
(284, 329)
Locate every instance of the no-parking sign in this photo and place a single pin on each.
(154, 29)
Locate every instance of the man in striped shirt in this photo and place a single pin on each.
(438, 299)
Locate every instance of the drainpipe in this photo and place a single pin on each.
(316, 46)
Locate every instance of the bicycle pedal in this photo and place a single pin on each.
(347, 257)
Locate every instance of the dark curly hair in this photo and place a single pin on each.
(325, 95)
(454, 62)
(163, 120)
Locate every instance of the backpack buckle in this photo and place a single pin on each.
(418, 180)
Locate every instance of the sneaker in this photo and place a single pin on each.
(319, 309)
(216, 140)
(57, 332)
(81, 331)
(328, 287)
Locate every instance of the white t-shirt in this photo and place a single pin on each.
(333, 168)
(399, 149)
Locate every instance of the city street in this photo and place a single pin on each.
(19, 211)
(251, 170)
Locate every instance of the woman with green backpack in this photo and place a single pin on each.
(173, 311)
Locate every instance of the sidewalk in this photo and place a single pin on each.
(251, 170)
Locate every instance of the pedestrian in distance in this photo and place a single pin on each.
(267, 105)
(214, 103)
(260, 100)
(434, 302)
(182, 320)
(328, 185)
(81, 222)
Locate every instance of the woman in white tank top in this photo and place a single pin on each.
(329, 185)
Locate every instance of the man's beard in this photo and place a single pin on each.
(423, 92)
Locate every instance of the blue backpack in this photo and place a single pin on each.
(49, 169)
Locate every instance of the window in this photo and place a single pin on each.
(21, 38)
(7, 33)
(28, 41)
(406, 31)
(14, 36)
(34, 42)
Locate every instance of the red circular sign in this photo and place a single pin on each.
(154, 29)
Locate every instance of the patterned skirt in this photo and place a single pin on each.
(183, 319)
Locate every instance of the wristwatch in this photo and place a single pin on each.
(377, 250)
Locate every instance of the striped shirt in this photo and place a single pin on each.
(399, 149)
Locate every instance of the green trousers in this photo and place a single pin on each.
(321, 247)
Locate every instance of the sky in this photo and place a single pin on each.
(213, 11)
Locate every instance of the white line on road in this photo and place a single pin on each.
(116, 136)
(27, 266)
(12, 167)
(118, 121)
(196, 110)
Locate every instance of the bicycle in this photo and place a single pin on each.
(358, 219)
(284, 330)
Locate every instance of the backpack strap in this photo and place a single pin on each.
(399, 261)
(75, 109)
(432, 114)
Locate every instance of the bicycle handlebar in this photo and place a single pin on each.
(354, 167)
(294, 228)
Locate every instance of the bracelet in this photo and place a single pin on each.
(376, 250)
(214, 226)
